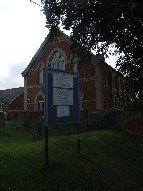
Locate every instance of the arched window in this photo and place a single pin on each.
(40, 74)
(40, 103)
(57, 61)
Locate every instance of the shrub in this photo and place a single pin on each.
(103, 120)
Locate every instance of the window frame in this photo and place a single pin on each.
(41, 104)
(57, 63)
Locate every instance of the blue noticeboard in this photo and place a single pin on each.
(61, 97)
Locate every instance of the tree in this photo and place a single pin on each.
(98, 24)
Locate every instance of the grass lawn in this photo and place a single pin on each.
(110, 161)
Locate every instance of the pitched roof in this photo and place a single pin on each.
(95, 58)
(9, 95)
(36, 56)
(40, 51)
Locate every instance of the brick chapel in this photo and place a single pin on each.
(101, 86)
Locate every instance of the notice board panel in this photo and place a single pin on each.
(61, 97)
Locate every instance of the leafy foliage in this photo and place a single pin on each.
(103, 120)
(100, 24)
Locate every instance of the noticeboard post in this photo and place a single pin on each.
(61, 101)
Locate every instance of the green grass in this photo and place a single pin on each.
(110, 161)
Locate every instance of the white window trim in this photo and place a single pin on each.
(41, 102)
(58, 64)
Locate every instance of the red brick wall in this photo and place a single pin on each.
(89, 105)
(40, 98)
(87, 86)
(87, 76)
(18, 103)
(61, 45)
(32, 79)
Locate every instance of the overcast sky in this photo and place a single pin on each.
(22, 30)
